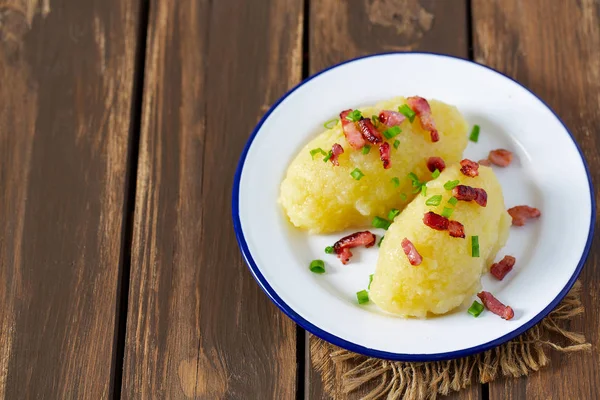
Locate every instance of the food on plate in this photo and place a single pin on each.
(520, 214)
(342, 247)
(495, 306)
(358, 169)
(500, 157)
(500, 269)
(436, 250)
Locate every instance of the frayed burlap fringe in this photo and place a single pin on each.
(344, 372)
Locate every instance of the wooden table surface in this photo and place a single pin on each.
(121, 123)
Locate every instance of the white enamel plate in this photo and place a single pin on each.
(548, 172)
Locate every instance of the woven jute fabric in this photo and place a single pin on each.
(344, 372)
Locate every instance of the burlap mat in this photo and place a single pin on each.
(343, 372)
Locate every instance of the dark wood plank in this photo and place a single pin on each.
(66, 84)
(559, 60)
(198, 324)
(341, 30)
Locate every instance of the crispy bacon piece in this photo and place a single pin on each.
(456, 229)
(468, 193)
(485, 162)
(353, 135)
(342, 247)
(384, 154)
(369, 132)
(391, 118)
(434, 163)
(500, 269)
(421, 107)
(435, 221)
(469, 168)
(500, 157)
(411, 252)
(336, 150)
(520, 214)
(495, 306)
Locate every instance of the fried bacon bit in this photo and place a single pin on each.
(342, 247)
(469, 168)
(336, 150)
(495, 306)
(500, 269)
(384, 154)
(435, 221)
(391, 118)
(411, 252)
(434, 163)
(520, 214)
(353, 135)
(468, 193)
(368, 130)
(500, 157)
(485, 162)
(421, 107)
(456, 229)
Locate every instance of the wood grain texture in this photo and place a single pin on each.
(558, 58)
(341, 30)
(66, 83)
(198, 324)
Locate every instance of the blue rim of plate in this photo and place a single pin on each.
(315, 330)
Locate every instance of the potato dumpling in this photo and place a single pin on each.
(323, 198)
(449, 275)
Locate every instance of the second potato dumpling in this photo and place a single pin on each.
(450, 270)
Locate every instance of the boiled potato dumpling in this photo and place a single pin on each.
(449, 275)
(322, 198)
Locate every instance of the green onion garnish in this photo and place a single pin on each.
(451, 184)
(375, 120)
(391, 132)
(316, 151)
(354, 116)
(453, 200)
(435, 173)
(396, 143)
(474, 137)
(329, 155)
(475, 246)
(408, 113)
(476, 309)
(331, 123)
(317, 266)
(396, 181)
(366, 148)
(380, 241)
(329, 250)
(370, 281)
(447, 212)
(424, 189)
(403, 196)
(382, 223)
(415, 179)
(362, 296)
(434, 200)
(357, 174)
(392, 214)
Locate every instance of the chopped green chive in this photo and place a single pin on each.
(415, 179)
(316, 151)
(366, 148)
(453, 200)
(396, 143)
(434, 200)
(435, 173)
(370, 281)
(474, 137)
(396, 181)
(380, 241)
(391, 132)
(329, 250)
(475, 246)
(408, 113)
(329, 155)
(451, 184)
(382, 223)
(317, 266)
(331, 123)
(424, 189)
(354, 116)
(362, 296)
(357, 174)
(375, 120)
(447, 212)
(476, 309)
(392, 214)
(403, 196)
